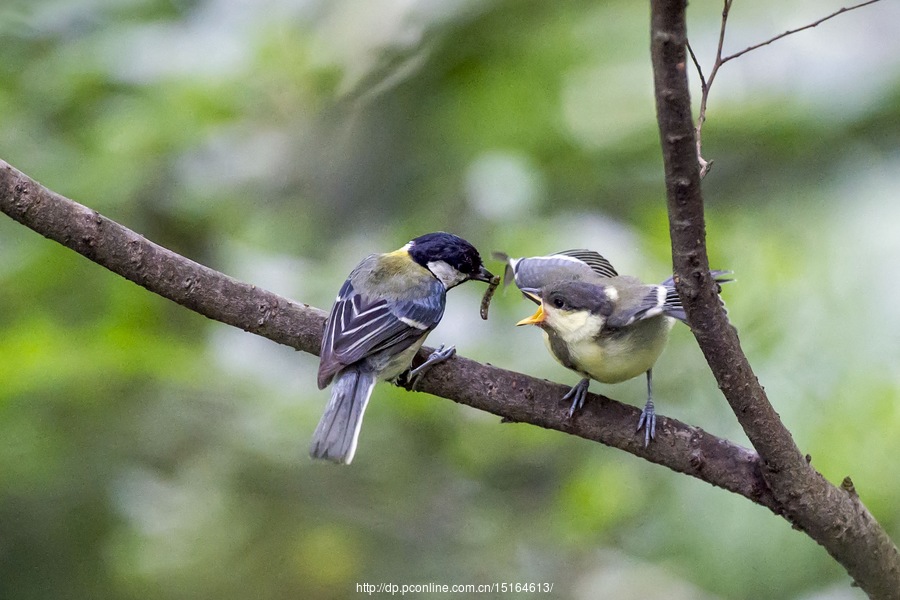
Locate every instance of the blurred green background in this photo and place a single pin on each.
(146, 452)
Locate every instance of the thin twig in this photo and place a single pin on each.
(706, 84)
(705, 165)
(725, 10)
(697, 66)
(789, 32)
(704, 88)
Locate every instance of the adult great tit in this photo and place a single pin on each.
(600, 324)
(382, 315)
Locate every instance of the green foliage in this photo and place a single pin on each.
(149, 453)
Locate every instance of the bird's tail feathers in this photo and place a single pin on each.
(672, 306)
(338, 431)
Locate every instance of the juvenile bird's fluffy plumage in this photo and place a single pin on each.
(600, 324)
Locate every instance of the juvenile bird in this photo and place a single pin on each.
(600, 324)
(382, 315)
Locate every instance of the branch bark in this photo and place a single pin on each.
(513, 396)
(833, 517)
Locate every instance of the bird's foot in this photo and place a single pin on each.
(577, 395)
(647, 422)
(411, 377)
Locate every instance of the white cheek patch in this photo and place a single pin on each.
(446, 274)
(575, 326)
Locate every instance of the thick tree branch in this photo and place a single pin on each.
(834, 518)
(514, 396)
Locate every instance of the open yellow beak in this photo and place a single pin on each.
(536, 318)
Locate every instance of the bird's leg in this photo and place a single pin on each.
(412, 376)
(577, 394)
(647, 422)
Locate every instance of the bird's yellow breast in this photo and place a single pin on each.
(610, 356)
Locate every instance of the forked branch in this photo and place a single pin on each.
(706, 84)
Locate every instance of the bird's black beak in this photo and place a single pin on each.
(484, 275)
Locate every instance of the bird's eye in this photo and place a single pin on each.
(558, 302)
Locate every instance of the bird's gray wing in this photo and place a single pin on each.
(594, 260)
(645, 301)
(537, 272)
(359, 326)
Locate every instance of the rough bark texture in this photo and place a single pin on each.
(514, 396)
(833, 517)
